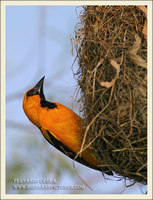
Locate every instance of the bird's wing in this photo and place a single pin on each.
(61, 147)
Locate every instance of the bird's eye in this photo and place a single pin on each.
(30, 93)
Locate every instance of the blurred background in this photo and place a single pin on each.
(37, 44)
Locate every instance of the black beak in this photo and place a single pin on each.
(39, 88)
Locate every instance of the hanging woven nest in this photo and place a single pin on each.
(111, 45)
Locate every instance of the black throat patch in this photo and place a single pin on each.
(47, 104)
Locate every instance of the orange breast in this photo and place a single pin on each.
(63, 123)
(66, 126)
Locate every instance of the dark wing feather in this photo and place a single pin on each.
(61, 147)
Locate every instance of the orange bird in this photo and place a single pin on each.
(59, 125)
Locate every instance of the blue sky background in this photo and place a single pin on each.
(37, 44)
